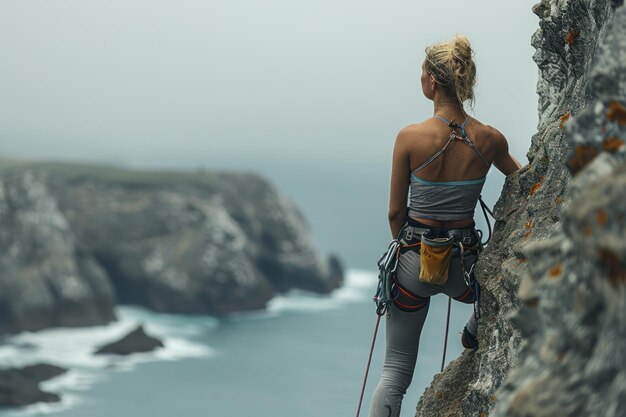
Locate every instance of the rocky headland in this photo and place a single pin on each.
(553, 335)
(78, 239)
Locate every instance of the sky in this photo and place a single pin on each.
(299, 91)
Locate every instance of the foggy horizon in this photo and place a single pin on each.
(310, 95)
(157, 85)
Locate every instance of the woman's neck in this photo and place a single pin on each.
(448, 108)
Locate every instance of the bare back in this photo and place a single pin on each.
(418, 143)
(459, 162)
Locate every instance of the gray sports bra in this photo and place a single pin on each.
(450, 200)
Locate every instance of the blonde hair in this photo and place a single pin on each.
(453, 68)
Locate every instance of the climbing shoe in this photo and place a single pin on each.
(468, 340)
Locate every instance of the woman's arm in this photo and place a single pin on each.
(400, 172)
(504, 161)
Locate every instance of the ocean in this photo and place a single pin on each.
(304, 356)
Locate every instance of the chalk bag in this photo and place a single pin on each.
(435, 255)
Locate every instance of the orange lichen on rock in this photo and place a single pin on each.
(571, 37)
(603, 217)
(617, 274)
(612, 144)
(587, 230)
(616, 113)
(564, 119)
(556, 271)
(537, 186)
(557, 200)
(529, 227)
(583, 154)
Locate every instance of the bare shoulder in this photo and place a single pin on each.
(494, 133)
(412, 132)
(412, 129)
(495, 136)
(489, 131)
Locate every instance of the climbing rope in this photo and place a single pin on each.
(369, 361)
(445, 341)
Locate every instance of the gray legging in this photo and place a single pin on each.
(403, 330)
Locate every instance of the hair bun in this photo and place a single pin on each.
(453, 67)
(462, 47)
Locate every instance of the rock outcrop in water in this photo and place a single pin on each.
(136, 341)
(78, 239)
(20, 386)
(553, 331)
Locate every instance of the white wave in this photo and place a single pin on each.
(167, 323)
(358, 286)
(74, 348)
(76, 380)
(39, 409)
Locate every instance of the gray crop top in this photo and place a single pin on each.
(451, 200)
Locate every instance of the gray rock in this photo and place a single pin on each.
(573, 361)
(134, 342)
(45, 278)
(20, 386)
(552, 331)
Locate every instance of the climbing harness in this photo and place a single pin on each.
(454, 135)
(388, 291)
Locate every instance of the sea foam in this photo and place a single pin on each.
(358, 286)
(73, 348)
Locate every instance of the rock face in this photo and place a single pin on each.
(46, 278)
(20, 386)
(573, 315)
(553, 301)
(81, 238)
(134, 342)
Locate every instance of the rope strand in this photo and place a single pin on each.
(445, 342)
(367, 369)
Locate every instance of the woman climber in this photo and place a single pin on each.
(442, 163)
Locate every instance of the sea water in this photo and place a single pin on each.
(303, 356)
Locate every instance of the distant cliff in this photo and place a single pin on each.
(553, 330)
(78, 239)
